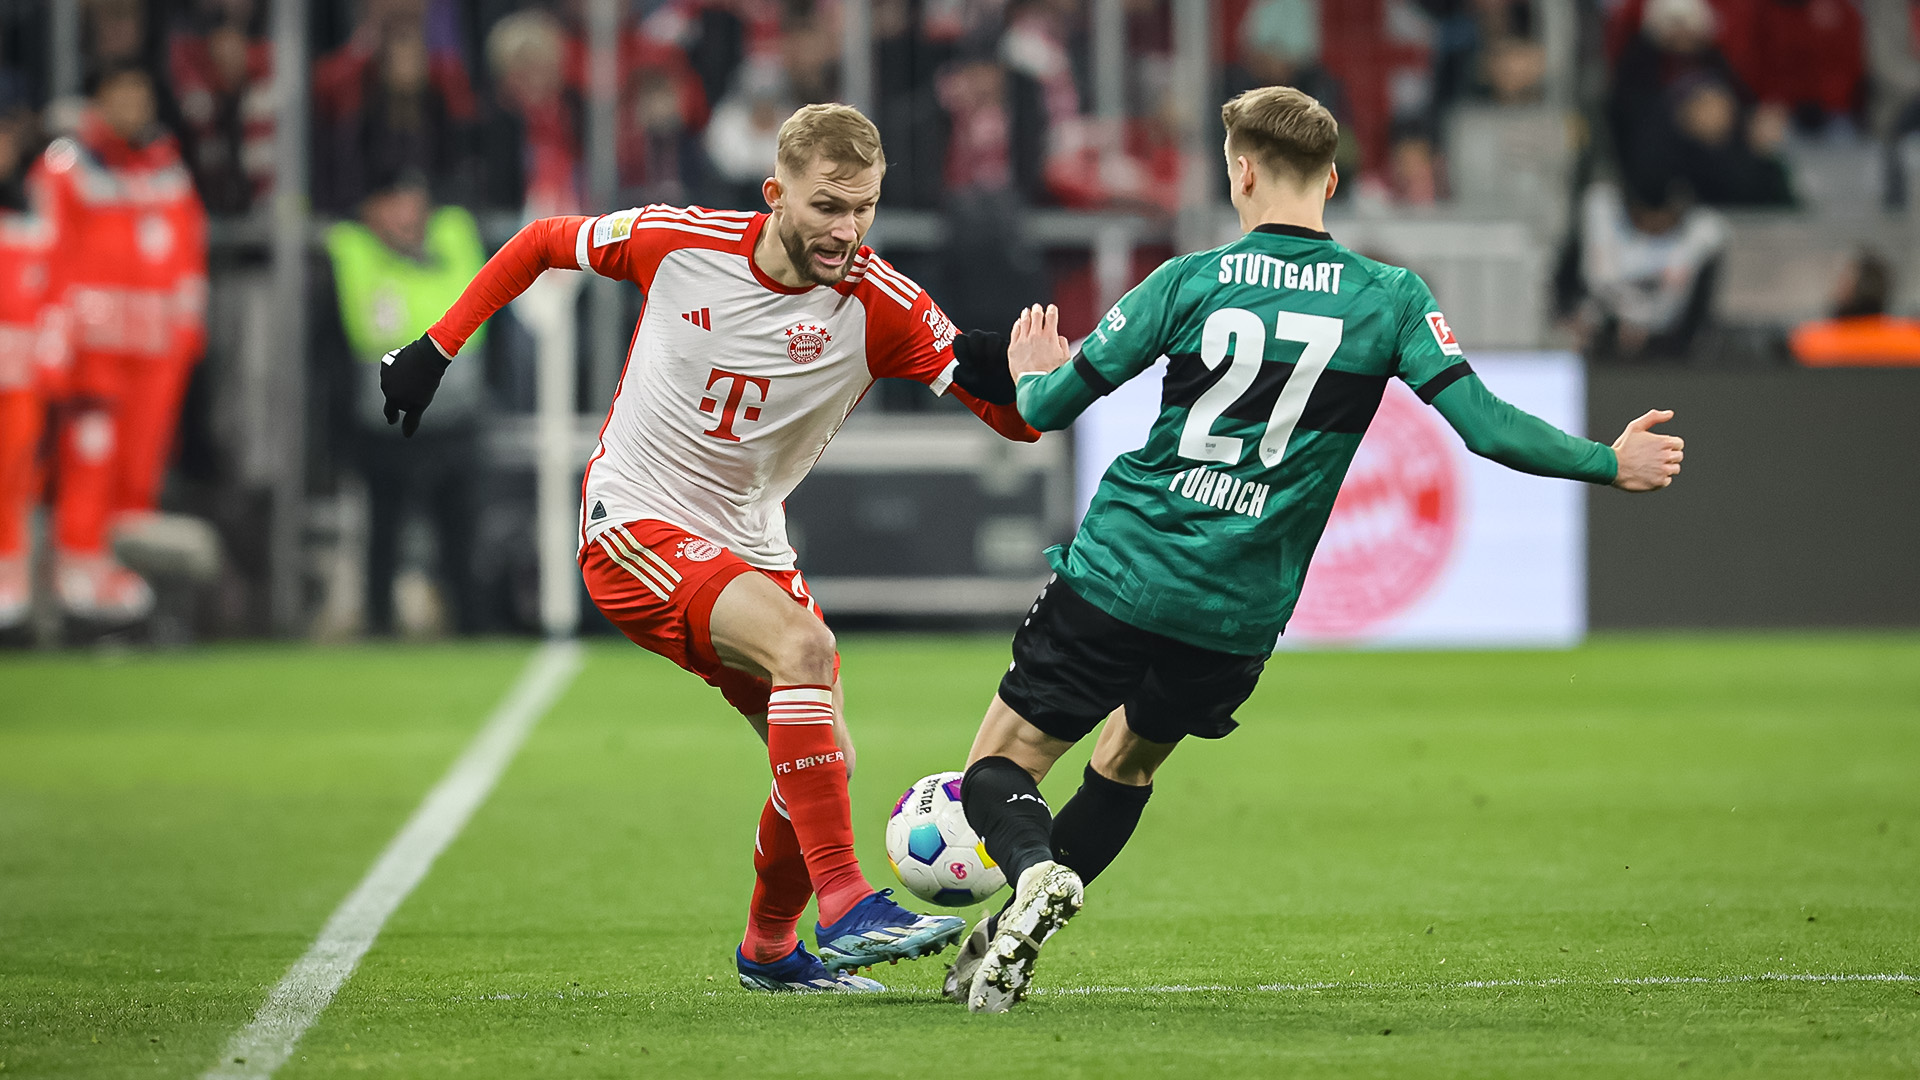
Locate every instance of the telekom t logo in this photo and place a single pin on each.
(736, 391)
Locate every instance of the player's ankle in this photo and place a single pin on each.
(768, 950)
(835, 903)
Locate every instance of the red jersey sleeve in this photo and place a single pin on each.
(909, 337)
(626, 246)
(629, 244)
(546, 244)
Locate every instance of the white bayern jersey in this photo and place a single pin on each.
(734, 383)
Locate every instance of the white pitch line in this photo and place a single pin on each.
(1485, 984)
(265, 1044)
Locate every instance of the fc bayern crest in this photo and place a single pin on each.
(694, 549)
(806, 342)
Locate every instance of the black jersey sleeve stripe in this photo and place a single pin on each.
(1099, 383)
(1431, 389)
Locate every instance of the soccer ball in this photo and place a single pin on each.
(934, 852)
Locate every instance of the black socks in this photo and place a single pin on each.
(1003, 805)
(1096, 823)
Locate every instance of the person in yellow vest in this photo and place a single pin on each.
(1861, 332)
(385, 278)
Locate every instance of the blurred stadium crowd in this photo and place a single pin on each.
(1696, 181)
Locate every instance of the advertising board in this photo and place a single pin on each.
(1428, 544)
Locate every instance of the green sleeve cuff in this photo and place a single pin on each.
(1496, 430)
(1054, 400)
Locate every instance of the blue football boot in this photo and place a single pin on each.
(800, 972)
(877, 929)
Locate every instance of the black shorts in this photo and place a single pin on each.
(1073, 664)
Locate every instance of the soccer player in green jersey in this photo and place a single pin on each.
(1163, 609)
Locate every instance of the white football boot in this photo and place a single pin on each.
(97, 588)
(1048, 895)
(967, 962)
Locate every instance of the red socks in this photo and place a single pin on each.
(781, 887)
(810, 773)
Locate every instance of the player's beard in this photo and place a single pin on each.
(801, 254)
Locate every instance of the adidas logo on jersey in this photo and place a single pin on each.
(700, 318)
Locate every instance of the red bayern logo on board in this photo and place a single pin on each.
(1393, 529)
(806, 342)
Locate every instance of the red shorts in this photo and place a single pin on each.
(657, 583)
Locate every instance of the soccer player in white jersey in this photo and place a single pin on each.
(761, 333)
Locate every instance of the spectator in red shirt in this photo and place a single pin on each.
(221, 65)
(534, 121)
(980, 147)
(993, 169)
(662, 110)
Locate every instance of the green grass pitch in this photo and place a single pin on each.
(1406, 864)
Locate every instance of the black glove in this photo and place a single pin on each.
(408, 377)
(982, 366)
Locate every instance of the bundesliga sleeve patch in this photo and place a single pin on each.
(613, 227)
(1443, 333)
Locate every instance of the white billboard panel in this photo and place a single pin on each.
(1428, 544)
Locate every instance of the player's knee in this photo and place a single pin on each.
(1125, 772)
(1131, 761)
(804, 655)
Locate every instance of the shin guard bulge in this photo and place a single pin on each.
(781, 887)
(810, 770)
(1004, 806)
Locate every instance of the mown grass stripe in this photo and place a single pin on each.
(261, 1047)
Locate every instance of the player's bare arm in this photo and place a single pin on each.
(1649, 460)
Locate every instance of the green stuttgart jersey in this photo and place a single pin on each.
(1280, 346)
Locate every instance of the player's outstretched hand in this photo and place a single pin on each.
(1036, 344)
(408, 377)
(1648, 460)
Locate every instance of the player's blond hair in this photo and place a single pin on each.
(1287, 131)
(839, 133)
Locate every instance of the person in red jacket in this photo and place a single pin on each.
(32, 355)
(131, 270)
